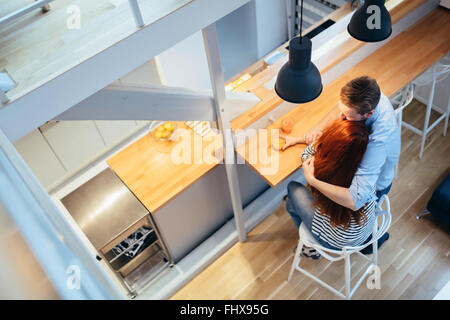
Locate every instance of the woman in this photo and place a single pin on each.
(337, 154)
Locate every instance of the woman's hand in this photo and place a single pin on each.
(308, 170)
(291, 141)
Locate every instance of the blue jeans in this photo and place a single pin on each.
(383, 192)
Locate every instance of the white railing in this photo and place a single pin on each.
(137, 15)
(56, 246)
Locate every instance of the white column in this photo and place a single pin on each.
(217, 83)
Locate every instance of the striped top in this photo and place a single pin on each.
(339, 237)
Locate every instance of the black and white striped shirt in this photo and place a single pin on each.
(339, 237)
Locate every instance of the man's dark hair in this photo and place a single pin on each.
(362, 94)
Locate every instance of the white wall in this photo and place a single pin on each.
(251, 32)
(238, 39)
(185, 65)
(271, 25)
(245, 35)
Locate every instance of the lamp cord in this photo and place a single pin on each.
(301, 20)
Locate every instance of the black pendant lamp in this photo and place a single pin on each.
(299, 80)
(371, 22)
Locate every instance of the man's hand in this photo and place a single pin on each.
(290, 141)
(308, 170)
(312, 135)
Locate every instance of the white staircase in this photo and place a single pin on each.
(315, 10)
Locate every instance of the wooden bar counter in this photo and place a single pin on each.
(394, 65)
(188, 197)
(148, 168)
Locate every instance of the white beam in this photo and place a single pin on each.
(137, 15)
(143, 102)
(24, 10)
(217, 84)
(24, 114)
(48, 234)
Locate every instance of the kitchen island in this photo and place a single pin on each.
(188, 200)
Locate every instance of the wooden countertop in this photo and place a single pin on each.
(148, 168)
(394, 65)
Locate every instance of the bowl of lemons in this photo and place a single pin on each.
(164, 131)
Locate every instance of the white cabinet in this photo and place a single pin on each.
(140, 123)
(75, 142)
(114, 131)
(42, 161)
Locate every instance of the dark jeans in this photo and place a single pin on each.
(384, 191)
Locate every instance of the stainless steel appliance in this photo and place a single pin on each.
(108, 213)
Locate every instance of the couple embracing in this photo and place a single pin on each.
(348, 165)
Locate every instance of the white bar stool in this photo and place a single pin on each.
(306, 238)
(438, 72)
(400, 101)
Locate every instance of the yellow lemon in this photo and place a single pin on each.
(166, 134)
(168, 126)
(159, 134)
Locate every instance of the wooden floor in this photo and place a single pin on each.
(414, 261)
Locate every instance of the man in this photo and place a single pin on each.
(360, 99)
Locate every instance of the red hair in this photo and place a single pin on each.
(339, 150)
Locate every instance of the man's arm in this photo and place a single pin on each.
(328, 119)
(363, 184)
(315, 132)
(336, 194)
(365, 179)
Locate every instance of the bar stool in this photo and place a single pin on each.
(400, 101)
(438, 72)
(306, 238)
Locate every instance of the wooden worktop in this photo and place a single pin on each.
(394, 65)
(148, 168)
